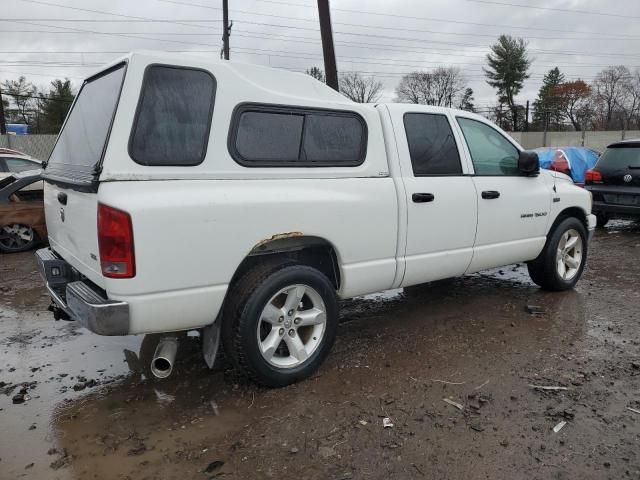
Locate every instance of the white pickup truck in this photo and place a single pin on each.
(243, 201)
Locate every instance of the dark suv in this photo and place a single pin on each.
(615, 182)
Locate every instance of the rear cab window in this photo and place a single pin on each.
(78, 152)
(278, 136)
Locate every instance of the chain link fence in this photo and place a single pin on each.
(38, 146)
(596, 140)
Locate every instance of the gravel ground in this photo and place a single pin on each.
(450, 364)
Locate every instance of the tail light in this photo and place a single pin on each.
(560, 164)
(115, 242)
(592, 176)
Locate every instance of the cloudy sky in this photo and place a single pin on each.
(44, 39)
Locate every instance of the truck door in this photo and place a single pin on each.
(440, 199)
(513, 210)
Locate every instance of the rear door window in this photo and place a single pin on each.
(432, 147)
(174, 117)
(81, 143)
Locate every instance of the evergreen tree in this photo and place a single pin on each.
(466, 102)
(548, 108)
(56, 105)
(508, 64)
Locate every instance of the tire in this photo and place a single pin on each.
(17, 238)
(601, 220)
(560, 267)
(279, 323)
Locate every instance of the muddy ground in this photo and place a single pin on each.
(87, 411)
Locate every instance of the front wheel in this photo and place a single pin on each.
(563, 258)
(280, 323)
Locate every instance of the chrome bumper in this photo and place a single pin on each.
(80, 300)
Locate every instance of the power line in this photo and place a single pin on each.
(131, 35)
(290, 53)
(38, 97)
(101, 12)
(411, 17)
(591, 35)
(553, 9)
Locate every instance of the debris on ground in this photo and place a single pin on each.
(213, 466)
(446, 382)
(387, 423)
(459, 406)
(534, 309)
(634, 410)
(548, 387)
(559, 426)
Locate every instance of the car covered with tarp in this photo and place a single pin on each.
(572, 161)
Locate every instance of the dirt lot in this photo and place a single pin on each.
(87, 411)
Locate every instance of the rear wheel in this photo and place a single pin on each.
(563, 258)
(280, 323)
(17, 238)
(601, 220)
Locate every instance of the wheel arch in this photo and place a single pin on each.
(575, 212)
(307, 250)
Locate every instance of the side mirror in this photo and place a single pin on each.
(528, 164)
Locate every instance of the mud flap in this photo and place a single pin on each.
(211, 342)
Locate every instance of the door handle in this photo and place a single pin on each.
(490, 194)
(62, 198)
(423, 197)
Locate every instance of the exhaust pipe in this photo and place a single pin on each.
(164, 357)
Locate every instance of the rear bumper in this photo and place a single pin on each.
(79, 298)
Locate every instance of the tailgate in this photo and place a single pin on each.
(72, 224)
(71, 174)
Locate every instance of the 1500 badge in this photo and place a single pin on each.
(531, 215)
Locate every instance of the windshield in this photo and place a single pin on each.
(620, 158)
(85, 132)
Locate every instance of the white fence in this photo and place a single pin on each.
(595, 140)
(38, 146)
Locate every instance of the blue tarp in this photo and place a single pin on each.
(17, 128)
(580, 159)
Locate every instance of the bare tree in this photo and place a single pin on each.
(443, 87)
(632, 97)
(360, 89)
(611, 89)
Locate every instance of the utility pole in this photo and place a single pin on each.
(3, 125)
(226, 29)
(526, 118)
(330, 69)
